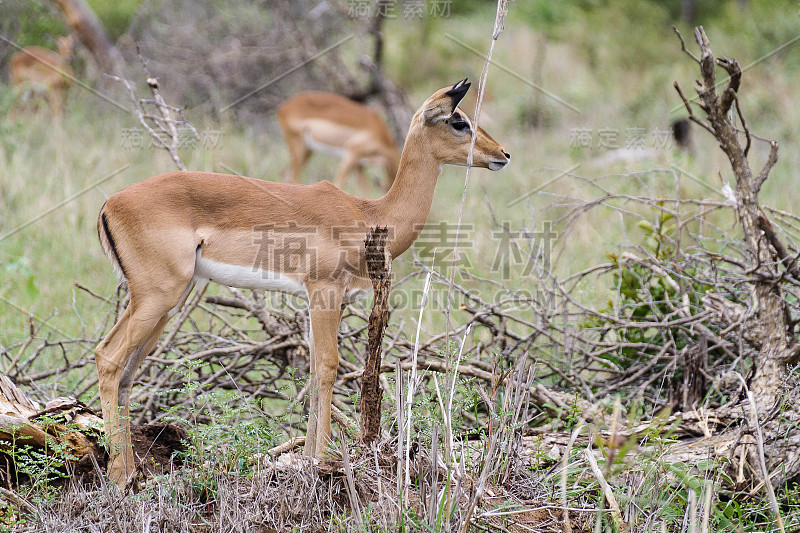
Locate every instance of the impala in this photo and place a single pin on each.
(39, 72)
(169, 232)
(317, 121)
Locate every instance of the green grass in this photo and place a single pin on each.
(614, 62)
(612, 86)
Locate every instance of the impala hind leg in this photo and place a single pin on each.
(112, 357)
(126, 460)
(146, 348)
(107, 367)
(326, 314)
(349, 161)
(117, 357)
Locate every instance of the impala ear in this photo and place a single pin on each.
(443, 107)
(457, 93)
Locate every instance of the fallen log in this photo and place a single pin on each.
(64, 427)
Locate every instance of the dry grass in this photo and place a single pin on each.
(499, 479)
(290, 494)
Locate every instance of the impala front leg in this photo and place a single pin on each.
(325, 310)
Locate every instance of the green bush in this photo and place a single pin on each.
(116, 15)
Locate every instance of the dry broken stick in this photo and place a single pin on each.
(166, 123)
(379, 266)
(65, 427)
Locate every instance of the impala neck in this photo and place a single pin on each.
(405, 208)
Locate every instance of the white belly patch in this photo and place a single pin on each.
(246, 277)
(322, 147)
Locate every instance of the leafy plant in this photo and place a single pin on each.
(36, 471)
(238, 431)
(647, 294)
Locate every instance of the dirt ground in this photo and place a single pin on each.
(155, 446)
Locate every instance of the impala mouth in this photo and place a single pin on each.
(497, 164)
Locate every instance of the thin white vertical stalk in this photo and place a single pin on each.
(400, 429)
(447, 415)
(499, 22)
(412, 384)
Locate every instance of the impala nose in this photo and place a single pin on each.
(508, 156)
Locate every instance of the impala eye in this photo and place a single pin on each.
(460, 126)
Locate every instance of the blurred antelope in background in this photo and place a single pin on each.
(327, 122)
(37, 72)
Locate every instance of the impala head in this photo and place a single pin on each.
(65, 45)
(448, 131)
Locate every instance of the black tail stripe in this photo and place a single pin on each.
(112, 244)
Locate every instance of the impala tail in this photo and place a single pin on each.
(107, 242)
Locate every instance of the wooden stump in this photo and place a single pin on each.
(379, 266)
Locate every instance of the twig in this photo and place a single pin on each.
(164, 121)
(771, 160)
(683, 46)
(755, 422)
(351, 486)
(692, 116)
(607, 492)
(729, 94)
(18, 500)
(783, 254)
(744, 124)
(350, 427)
(291, 444)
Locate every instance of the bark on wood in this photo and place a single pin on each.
(379, 265)
(80, 17)
(64, 426)
(777, 349)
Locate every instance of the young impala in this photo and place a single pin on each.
(171, 231)
(316, 121)
(39, 72)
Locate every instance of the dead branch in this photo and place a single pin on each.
(729, 94)
(683, 46)
(771, 160)
(379, 265)
(165, 126)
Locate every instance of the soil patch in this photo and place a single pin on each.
(155, 446)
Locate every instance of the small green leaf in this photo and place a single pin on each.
(31, 291)
(706, 464)
(645, 225)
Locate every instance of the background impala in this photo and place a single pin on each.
(38, 72)
(318, 121)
